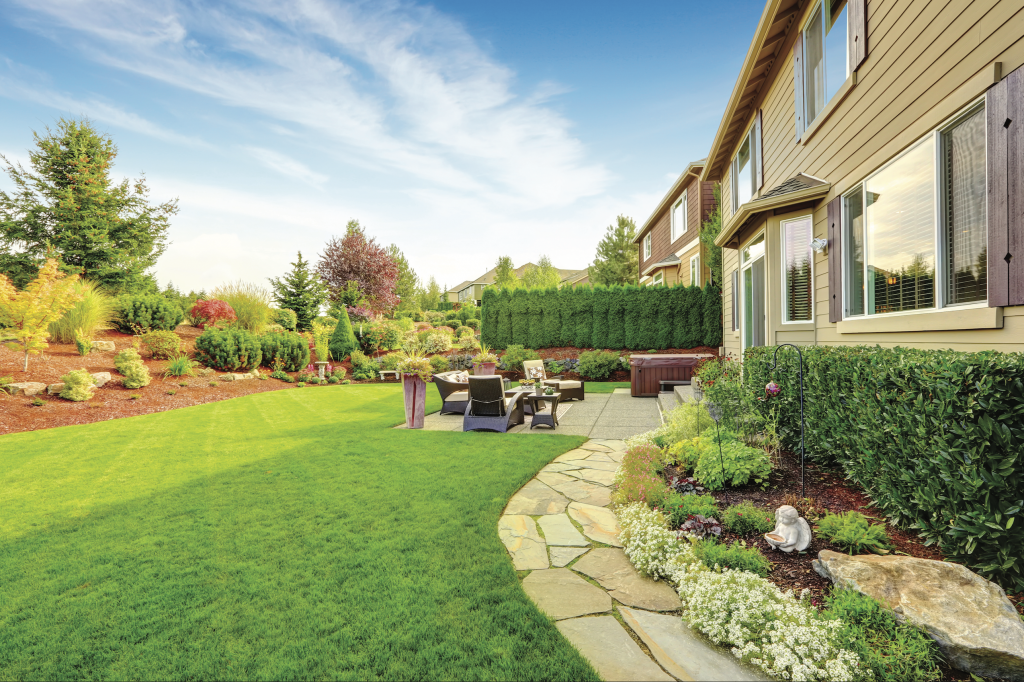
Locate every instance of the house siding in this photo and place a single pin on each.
(926, 62)
(660, 230)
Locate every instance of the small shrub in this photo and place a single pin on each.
(451, 315)
(417, 316)
(183, 384)
(208, 312)
(129, 364)
(363, 368)
(437, 342)
(343, 340)
(148, 312)
(280, 375)
(473, 323)
(686, 485)
(134, 396)
(250, 302)
(95, 310)
(339, 372)
(700, 526)
(469, 345)
(742, 464)
(180, 366)
(286, 318)
(391, 361)
(171, 392)
(512, 360)
(161, 344)
(82, 342)
(214, 383)
(637, 479)
(78, 385)
(301, 384)
(289, 349)
(228, 350)
(463, 331)
(332, 379)
(678, 508)
(736, 556)
(439, 363)
(597, 364)
(746, 518)
(304, 377)
(346, 381)
(851, 531)
(37, 402)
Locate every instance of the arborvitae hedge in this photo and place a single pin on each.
(619, 317)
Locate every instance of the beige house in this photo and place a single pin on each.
(473, 290)
(669, 243)
(871, 159)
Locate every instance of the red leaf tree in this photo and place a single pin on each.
(364, 261)
(209, 311)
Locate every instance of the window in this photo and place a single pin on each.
(825, 58)
(797, 264)
(647, 246)
(679, 217)
(735, 300)
(910, 247)
(658, 279)
(695, 270)
(744, 176)
(753, 318)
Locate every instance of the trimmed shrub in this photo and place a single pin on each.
(597, 364)
(250, 302)
(567, 313)
(583, 304)
(535, 305)
(519, 318)
(437, 342)
(504, 305)
(285, 317)
(209, 311)
(463, 331)
(746, 518)
(632, 305)
(599, 310)
(439, 363)
(552, 318)
(93, 311)
(616, 318)
(229, 350)
(695, 318)
(473, 324)
(647, 317)
(451, 315)
(363, 368)
(129, 364)
(161, 344)
(433, 317)
(489, 317)
(664, 323)
(681, 334)
(712, 312)
(343, 340)
(290, 348)
(78, 385)
(146, 313)
(734, 556)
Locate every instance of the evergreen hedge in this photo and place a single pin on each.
(627, 317)
(935, 437)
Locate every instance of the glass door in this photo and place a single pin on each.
(752, 263)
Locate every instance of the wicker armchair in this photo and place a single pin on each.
(454, 394)
(570, 390)
(489, 409)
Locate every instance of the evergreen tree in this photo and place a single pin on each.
(618, 258)
(567, 308)
(302, 291)
(504, 305)
(681, 303)
(599, 339)
(712, 312)
(695, 318)
(488, 317)
(520, 318)
(647, 335)
(631, 312)
(343, 340)
(407, 282)
(535, 302)
(584, 317)
(430, 296)
(552, 318)
(68, 207)
(542, 275)
(666, 317)
(616, 318)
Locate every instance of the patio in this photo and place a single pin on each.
(614, 415)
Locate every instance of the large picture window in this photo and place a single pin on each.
(825, 58)
(909, 247)
(797, 260)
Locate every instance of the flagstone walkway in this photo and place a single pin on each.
(564, 540)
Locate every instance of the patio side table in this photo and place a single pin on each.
(543, 417)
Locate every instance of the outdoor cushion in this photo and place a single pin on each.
(460, 377)
(563, 384)
(457, 397)
(535, 373)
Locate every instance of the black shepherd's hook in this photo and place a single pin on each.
(775, 364)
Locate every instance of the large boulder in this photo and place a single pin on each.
(105, 346)
(101, 378)
(973, 622)
(28, 388)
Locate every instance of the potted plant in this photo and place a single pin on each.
(483, 364)
(415, 372)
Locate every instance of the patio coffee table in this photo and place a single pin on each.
(536, 405)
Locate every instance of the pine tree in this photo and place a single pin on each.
(300, 290)
(616, 318)
(618, 258)
(343, 340)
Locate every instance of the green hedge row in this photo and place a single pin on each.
(936, 438)
(619, 317)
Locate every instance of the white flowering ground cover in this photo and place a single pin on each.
(778, 631)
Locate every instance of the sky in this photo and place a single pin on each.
(460, 131)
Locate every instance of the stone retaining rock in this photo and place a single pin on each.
(973, 622)
(28, 388)
(107, 346)
(55, 389)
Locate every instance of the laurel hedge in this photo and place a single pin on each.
(617, 317)
(935, 437)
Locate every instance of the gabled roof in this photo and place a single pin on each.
(458, 287)
(671, 195)
(489, 276)
(797, 190)
(777, 23)
(671, 259)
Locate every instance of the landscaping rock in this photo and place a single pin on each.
(595, 447)
(612, 569)
(558, 467)
(28, 388)
(561, 556)
(101, 378)
(552, 479)
(560, 593)
(600, 464)
(681, 651)
(227, 377)
(558, 530)
(973, 622)
(521, 539)
(536, 498)
(593, 475)
(598, 523)
(610, 649)
(588, 493)
(106, 346)
(55, 389)
(573, 456)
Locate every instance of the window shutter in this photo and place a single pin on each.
(735, 299)
(798, 83)
(835, 260)
(1004, 105)
(857, 36)
(759, 161)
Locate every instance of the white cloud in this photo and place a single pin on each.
(285, 165)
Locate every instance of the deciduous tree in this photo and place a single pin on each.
(617, 260)
(27, 314)
(542, 275)
(407, 282)
(505, 276)
(300, 290)
(356, 258)
(430, 296)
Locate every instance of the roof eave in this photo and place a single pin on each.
(669, 195)
(751, 208)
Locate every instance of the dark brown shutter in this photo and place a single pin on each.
(735, 299)
(798, 83)
(857, 48)
(760, 157)
(835, 260)
(1004, 106)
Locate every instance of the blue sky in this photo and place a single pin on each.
(461, 131)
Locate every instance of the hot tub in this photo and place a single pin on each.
(647, 371)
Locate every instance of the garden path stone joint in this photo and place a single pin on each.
(559, 528)
(973, 622)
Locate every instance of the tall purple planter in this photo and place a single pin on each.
(415, 400)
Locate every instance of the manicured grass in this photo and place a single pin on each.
(283, 535)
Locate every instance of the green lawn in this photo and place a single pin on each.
(284, 535)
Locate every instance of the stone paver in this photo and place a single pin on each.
(612, 569)
(595, 447)
(561, 556)
(536, 498)
(681, 652)
(589, 493)
(521, 539)
(573, 456)
(598, 523)
(558, 530)
(600, 465)
(611, 651)
(558, 467)
(553, 479)
(560, 593)
(593, 475)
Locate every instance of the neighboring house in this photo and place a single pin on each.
(871, 159)
(669, 243)
(473, 290)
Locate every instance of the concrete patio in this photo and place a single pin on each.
(615, 415)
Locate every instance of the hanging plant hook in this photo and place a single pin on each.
(772, 389)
